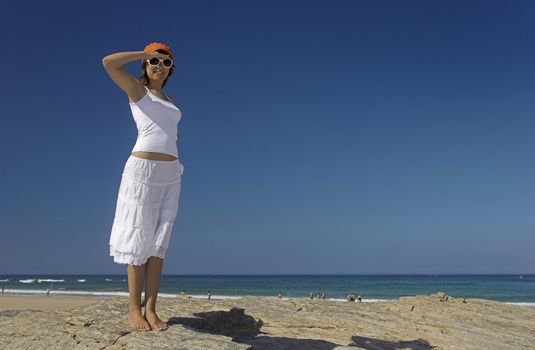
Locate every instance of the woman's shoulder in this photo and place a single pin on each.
(131, 101)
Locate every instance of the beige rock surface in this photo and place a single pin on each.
(422, 322)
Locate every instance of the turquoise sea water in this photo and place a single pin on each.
(507, 288)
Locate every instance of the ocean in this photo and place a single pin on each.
(517, 289)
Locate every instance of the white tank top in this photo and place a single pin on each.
(157, 124)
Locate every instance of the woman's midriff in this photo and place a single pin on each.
(153, 155)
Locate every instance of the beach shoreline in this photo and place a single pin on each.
(62, 301)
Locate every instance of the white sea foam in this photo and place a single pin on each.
(97, 293)
(5, 280)
(81, 280)
(108, 280)
(63, 292)
(523, 304)
(49, 280)
(27, 281)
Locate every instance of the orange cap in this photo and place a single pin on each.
(158, 46)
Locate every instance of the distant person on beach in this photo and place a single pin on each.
(209, 295)
(279, 295)
(359, 298)
(323, 295)
(351, 297)
(2, 290)
(311, 296)
(48, 291)
(144, 215)
(318, 295)
(182, 294)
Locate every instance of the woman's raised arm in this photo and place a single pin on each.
(113, 64)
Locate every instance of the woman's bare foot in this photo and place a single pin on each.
(155, 321)
(136, 320)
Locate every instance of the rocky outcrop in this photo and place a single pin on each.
(436, 321)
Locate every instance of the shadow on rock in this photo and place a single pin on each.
(284, 343)
(234, 323)
(245, 329)
(377, 344)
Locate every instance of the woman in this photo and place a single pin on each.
(147, 202)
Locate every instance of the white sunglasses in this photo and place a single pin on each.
(155, 61)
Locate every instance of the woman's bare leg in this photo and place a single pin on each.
(136, 278)
(153, 273)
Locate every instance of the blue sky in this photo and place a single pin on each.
(316, 136)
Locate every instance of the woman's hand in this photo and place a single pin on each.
(152, 54)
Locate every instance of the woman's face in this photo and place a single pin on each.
(157, 73)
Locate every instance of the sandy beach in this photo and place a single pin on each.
(45, 303)
(435, 321)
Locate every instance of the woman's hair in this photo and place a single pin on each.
(144, 78)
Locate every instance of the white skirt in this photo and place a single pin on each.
(147, 205)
